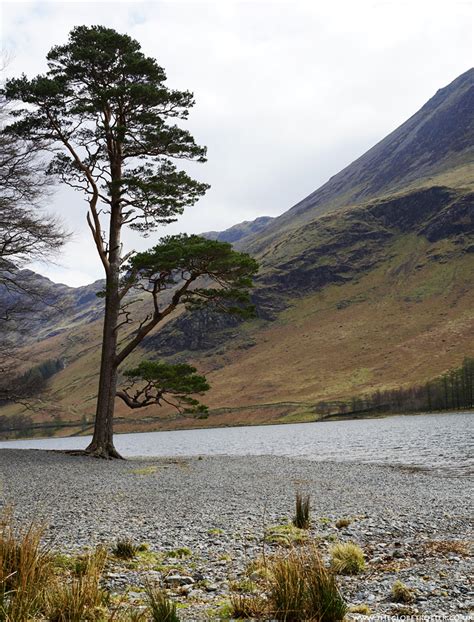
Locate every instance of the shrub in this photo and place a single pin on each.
(302, 511)
(162, 609)
(302, 588)
(125, 549)
(347, 558)
(401, 593)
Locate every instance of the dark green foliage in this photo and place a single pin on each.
(302, 511)
(162, 383)
(161, 608)
(101, 90)
(44, 370)
(220, 276)
(125, 549)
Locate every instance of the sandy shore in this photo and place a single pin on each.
(220, 507)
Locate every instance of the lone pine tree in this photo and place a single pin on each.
(104, 109)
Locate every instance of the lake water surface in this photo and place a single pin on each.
(441, 442)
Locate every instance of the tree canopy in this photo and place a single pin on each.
(162, 383)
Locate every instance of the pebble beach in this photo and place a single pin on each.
(205, 520)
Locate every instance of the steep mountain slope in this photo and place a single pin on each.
(43, 308)
(366, 284)
(437, 139)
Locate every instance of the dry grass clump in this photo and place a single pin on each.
(25, 570)
(37, 585)
(301, 519)
(247, 606)
(302, 588)
(448, 546)
(347, 558)
(291, 586)
(80, 597)
(401, 593)
(364, 610)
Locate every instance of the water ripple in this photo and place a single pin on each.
(442, 442)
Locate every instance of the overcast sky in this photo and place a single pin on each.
(287, 92)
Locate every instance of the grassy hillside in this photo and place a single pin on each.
(402, 313)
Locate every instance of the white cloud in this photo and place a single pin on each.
(288, 92)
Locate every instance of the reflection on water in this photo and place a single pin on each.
(442, 441)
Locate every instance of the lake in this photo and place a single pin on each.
(442, 442)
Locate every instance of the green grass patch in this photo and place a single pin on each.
(285, 535)
(148, 470)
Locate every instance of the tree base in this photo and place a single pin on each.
(105, 451)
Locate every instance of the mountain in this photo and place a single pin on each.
(435, 140)
(240, 231)
(365, 284)
(43, 308)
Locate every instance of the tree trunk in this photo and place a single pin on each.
(102, 445)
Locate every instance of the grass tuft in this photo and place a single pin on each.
(125, 549)
(25, 570)
(301, 519)
(80, 598)
(285, 535)
(401, 593)
(347, 558)
(364, 610)
(180, 553)
(161, 608)
(302, 588)
(245, 606)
